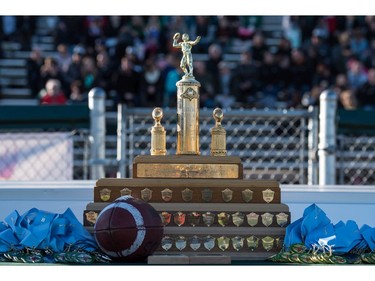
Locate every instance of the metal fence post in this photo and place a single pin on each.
(312, 142)
(121, 141)
(97, 132)
(327, 138)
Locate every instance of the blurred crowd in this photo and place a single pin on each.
(133, 60)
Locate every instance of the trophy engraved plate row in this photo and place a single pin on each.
(206, 206)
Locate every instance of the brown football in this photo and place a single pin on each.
(128, 230)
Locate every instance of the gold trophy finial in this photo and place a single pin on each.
(218, 135)
(158, 142)
(186, 63)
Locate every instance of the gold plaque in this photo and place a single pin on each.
(238, 218)
(179, 218)
(194, 218)
(252, 242)
(166, 194)
(247, 195)
(180, 242)
(268, 195)
(282, 219)
(166, 243)
(267, 219)
(206, 195)
(252, 219)
(223, 242)
(209, 242)
(105, 194)
(267, 243)
(187, 194)
(237, 242)
(91, 217)
(208, 218)
(195, 243)
(165, 218)
(193, 171)
(126, 191)
(223, 218)
(227, 195)
(146, 194)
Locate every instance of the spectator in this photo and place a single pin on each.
(223, 98)
(52, 94)
(63, 57)
(33, 65)
(172, 76)
(245, 80)
(50, 70)
(77, 95)
(74, 71)
(203, 27)
(207, 89)
(366, 92)
(356, 74)
(151, 84)
(126, 82)
(88, 74)
(215, 56)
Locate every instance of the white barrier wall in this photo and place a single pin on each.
(338, 202)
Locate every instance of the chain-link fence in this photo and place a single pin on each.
(43, 154)
(272, 144)
(355, 159)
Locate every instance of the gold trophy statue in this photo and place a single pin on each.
(187, 100)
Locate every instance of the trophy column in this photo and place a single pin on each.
(188, 116)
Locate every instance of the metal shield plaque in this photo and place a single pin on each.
(195, 243)
(166, 194)
(208, 218)
(91, 217)
(238, 218)
(227, 195)
(237, 242)
(223, 242)
(282, 219)
(187, 194)
(267, 219)
(252, 219)
(267, 243)
(105, 194)
(223, 218)
(146, 194)
(179, 218)
(209, 242)
(207, 195)
(126, 191)
(268, 195)
(165, 218)
(247, 195)
(180, 242)
(194, 218)
(166, 243)
(252, 242)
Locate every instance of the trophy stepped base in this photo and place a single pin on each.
(187, 166)
(189, 190)
(171, 259)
